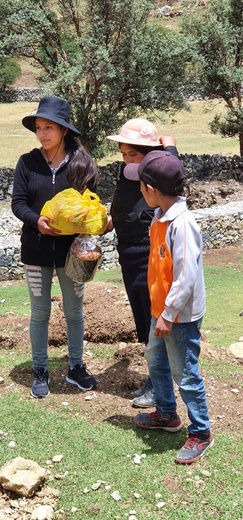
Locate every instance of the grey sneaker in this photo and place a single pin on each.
(194, 448)
(145, 401)
(40, 385)
(150, 421)
(145, 388)
(80, 377)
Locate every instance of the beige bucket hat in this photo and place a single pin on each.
(139, 132)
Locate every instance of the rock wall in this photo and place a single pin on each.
(30, 94)
(221, 225)
(198, 168)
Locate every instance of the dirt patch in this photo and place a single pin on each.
(109, 325)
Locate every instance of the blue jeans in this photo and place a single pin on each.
(39, 281)
(176, 357)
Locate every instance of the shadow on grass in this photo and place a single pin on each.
(156, 441)
(115, 380)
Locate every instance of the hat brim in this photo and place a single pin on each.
(137, 142)
(29, 122)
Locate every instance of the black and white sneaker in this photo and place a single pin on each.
(40, 385)
(80, 377)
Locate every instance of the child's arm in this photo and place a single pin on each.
(186, 294)
(163, 328)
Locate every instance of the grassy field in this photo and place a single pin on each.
(103, 450)
(191, 131)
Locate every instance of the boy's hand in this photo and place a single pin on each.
(163, 328)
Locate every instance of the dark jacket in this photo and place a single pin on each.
(33, 186)
(130, 213)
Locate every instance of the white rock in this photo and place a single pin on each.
(116, 495)
(96, 486)
(206, 473)
(237, 349)
(160, 504)
(42, 513)
(137, 459)
(57, 458)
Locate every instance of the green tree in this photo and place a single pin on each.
(108, 58)
(10, 70)
(215, 36)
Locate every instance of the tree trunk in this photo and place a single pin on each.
(241, 143)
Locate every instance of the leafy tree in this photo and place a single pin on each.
(216, 39)
(9, 71)
(108, 58)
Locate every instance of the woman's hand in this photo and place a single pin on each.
(109, 223)
(45, 229)
(167, 140)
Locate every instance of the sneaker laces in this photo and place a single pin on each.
(82, 368)
(40, 378)
(191, 442)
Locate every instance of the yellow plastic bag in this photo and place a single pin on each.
(72, 212)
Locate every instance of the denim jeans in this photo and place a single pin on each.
(176, 356)
(39, 281)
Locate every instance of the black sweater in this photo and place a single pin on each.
(33, 186)
(130, 213)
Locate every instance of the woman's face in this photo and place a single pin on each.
(130, 155)
(49, 134)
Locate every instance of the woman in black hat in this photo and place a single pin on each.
(60, 161)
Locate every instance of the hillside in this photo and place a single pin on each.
(170, 19)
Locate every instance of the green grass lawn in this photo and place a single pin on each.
(105, 452)
(95, 450)
(191, 131)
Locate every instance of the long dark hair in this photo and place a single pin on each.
(82, 170)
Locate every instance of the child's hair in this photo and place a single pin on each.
(82, 169)
(179, 189)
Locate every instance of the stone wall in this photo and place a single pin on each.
(198, 167)
(29, 94)
(221, 225)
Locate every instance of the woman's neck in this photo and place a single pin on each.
(55, 156)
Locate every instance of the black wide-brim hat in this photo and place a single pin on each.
(54, 109)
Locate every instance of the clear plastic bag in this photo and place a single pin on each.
(83, 259)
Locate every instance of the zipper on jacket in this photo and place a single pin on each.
(53, 171)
